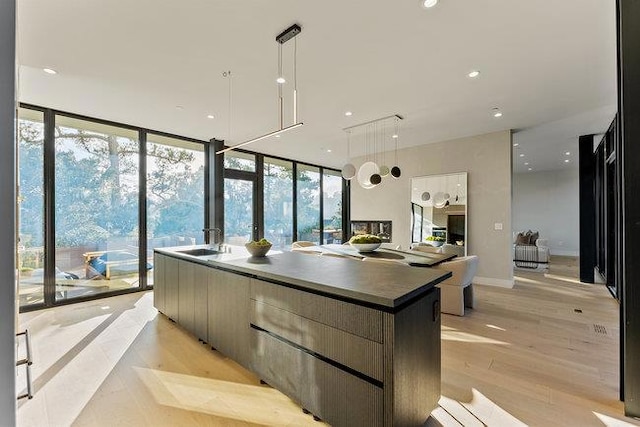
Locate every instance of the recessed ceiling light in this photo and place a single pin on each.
(281, 80)
(428, 3)
(568, 153)
(566, 160)
(329, 150)
(474, 74)
(515, 144)
(526, 163)
(210, 116)
(49, 71)
(277, 136)
(521, 155)
(530, 169)
(348, 113)
(496, 112)
(394, 136)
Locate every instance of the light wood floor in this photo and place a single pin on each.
(523, 356)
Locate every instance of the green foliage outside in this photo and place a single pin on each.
(97, 189)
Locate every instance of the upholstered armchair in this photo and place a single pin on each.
(532, 252)
(457, 291)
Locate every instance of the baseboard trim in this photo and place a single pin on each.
(490, 281)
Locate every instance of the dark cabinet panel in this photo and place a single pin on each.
(228, 313)
(172, 287)
(336, 396)
(159, 282)
(186, 290)
(201, 303)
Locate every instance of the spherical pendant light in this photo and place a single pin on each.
(365, 172)
(395, 172)
(384, 171)
(439, 200)
(348, 171)
(375, 179)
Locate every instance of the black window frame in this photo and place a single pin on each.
(49, 204)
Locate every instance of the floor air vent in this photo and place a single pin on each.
(600, 329)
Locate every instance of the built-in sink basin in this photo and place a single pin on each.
(199, 252)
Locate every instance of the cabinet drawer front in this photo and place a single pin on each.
(360, 354)
(355, 319)
(339, 398)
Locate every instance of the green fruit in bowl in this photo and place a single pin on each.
(261, 242)
(365, 238)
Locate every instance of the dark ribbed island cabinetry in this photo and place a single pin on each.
(353, 343)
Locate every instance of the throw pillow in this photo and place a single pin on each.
(533, 237)
(522, 239)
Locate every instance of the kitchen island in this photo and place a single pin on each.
(353, 343)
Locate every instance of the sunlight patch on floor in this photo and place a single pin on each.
(245, 402)
(552, 288)
(450, 334)
(71, 346)
(563, 278)
(488, 412)
(610, 421)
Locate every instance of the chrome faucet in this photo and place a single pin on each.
(216, 237)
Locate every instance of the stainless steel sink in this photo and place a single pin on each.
(199, 252)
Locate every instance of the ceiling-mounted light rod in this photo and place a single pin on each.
(274, 133)
(281, 38)
(396, 116)
(288, 34)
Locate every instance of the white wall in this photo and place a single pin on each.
(487, 160)
(7, 213)
(548, 202)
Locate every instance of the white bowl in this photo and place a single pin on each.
(365, 247)
(257, 250)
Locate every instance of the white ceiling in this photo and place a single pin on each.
(134, 62)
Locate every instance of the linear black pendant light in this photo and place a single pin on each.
(282, 38)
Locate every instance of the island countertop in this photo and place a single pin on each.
(386, 285)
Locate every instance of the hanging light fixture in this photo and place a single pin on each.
(395, 171)
(282, 38)
(370, 173)
(369, 169)
(375, 177)
(348, 170)
(384, 169)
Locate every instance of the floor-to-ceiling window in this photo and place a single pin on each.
(96, 208)
(175, 193)
(332, 206)
(278, 202)
(31, 206)
(240, 225)
(84, 227)
(308, 201)
(97, 197)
